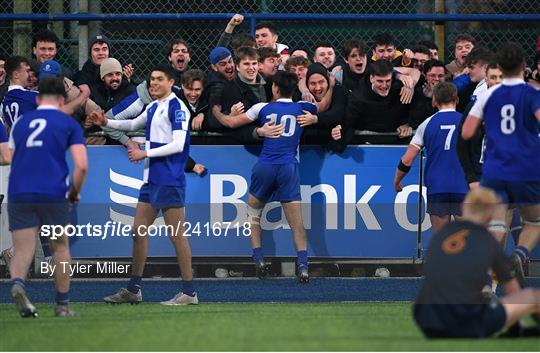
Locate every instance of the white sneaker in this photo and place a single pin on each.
(182, 299)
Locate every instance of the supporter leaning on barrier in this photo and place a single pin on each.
(319, 83)
(109, 92)
(113, 86)
(77, 104)
(195, 97)
(422, 102)
(221, 71)
(241, 93)
(376, 107)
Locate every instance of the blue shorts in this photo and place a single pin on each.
(31, 210)
(279, 181)
(162, 196)
(519, 193)
(444, 204)
(448, 321)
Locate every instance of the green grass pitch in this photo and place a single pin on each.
(238, 327)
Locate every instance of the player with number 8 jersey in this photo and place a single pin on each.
(513, 143)
(511, 115)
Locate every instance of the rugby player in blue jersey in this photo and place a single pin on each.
(167, 148)
(511, 115)
(37, 189)
(17, 100)
(444, 177)
(276, 175)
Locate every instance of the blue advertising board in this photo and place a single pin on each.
(350, 207)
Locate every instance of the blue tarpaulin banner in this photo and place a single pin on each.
(350, 207)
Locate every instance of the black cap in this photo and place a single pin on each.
(97, 39)
(317, 68)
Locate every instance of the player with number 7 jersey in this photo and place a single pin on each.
(444, 177)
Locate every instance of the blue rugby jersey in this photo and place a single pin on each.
(443, 172)
(512, 131)
(283, 149)
(17, 101)
(40, 139)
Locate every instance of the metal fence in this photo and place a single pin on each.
(143, 43)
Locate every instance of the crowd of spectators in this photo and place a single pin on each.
(362, 86)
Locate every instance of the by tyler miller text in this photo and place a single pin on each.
(100, 267)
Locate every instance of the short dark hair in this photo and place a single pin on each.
(479, 55)
(52, 86)
(266, 24)
(429, 44)
(286, 82)
(265, 53)
(45, 36)
(193, 75)
(245, 52)
(510, 58)
(324, 44)
(420, 49)
(465, 38)
(430, 64)
(354, 43)
(445, 92)
(242, 39)
(380, 68)
(383, 39)
(3, 57)
(174, 42)
(297, 61)
(13, 63)
(492, 65)
(166, 69)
